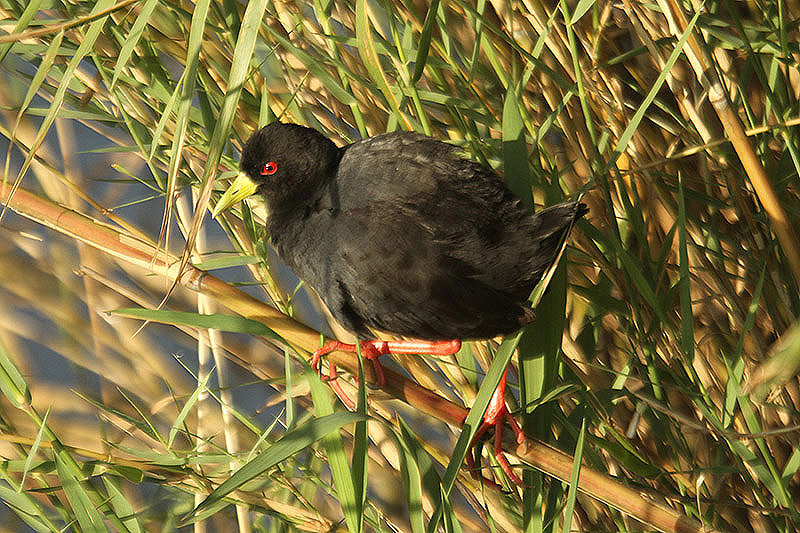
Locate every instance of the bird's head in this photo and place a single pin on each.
(285, 163)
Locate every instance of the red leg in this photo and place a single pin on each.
(416, 347)
(368, 350)
(372, 350)
(496, 414)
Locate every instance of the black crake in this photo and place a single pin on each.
(399, 233)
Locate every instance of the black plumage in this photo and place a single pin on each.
(402, 234)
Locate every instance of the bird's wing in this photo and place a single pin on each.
(398, 276)
(397, 165)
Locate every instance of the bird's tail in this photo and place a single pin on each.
(553, 226)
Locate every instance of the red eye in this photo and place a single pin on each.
(269, 168)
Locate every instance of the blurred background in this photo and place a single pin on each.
(664, 355)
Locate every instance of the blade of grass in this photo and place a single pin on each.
(360, 444)
(540, 342)
(636, 119)
(418, 474)
(451, 523)
(232, 323)
(217, 263)
(287, 446)
(12, 383)
(185, 90)
(313, 65)
(473, 421)
(337, 458)
(166, 114)
(187, 408)
(132, 39)
(33, 88)
(572, 493)
(516, 170)
(121, 505)
(780, 366)
(92, 34)
(687, 318)
(87, 516)
(581, 9)
(425, 41)
(366, 49)
(240, 68)
(22, 22)
(27, 510)
(289, 374)
(34, 448)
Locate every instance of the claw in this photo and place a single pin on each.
(337, 387)
(496, 414)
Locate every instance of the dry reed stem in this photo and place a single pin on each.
(736, 133)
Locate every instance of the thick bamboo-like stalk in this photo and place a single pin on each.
(705, 72)
(139, 251)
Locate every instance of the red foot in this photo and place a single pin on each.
(372, 350)
(496, 412)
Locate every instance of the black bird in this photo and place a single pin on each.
(399, 233)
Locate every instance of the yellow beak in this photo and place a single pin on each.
(241, 188)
